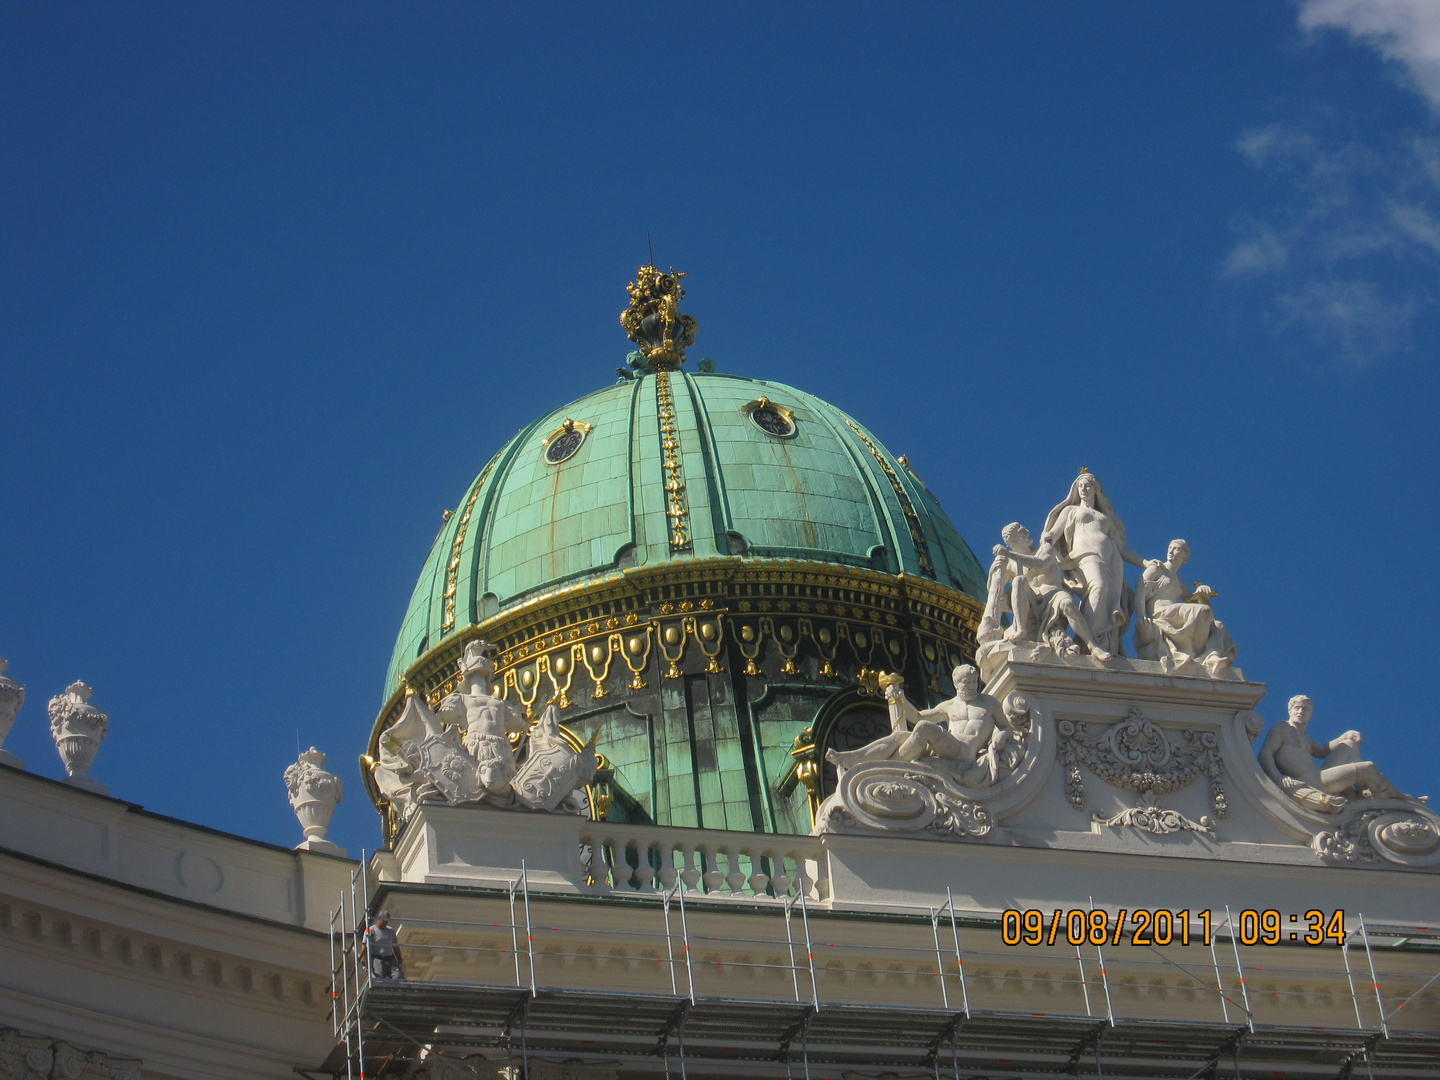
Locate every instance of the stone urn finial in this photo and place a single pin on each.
(313, 795)
(12, 696)
(78, 727)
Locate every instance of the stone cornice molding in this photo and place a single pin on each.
(158, 960)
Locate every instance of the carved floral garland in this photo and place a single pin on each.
(1137, 755)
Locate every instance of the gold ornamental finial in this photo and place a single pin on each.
(653, 320)
(1083, 471)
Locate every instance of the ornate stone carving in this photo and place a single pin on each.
(892, 796)
(1148, 817)
(78, 728)
(1175, 625)
(32, 1057)
(314, 794)
(12, 696)
(926, 779)
(464, 753)
(25, 1057)
(1138, 755)
(73, 1064)
(1376, 835)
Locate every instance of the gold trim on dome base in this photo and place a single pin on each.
(606, 629)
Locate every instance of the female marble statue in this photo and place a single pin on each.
(1176, 624)
(1085, 530)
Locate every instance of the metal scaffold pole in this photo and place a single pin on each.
(1374, 979)
(790, 944)
(1104, 978)
(358, 933)
(529, 931)
(959, 958)
(689, 969)
(670, 941)
(1219, 985)
(939, 960)
(1350, 978)
(1239, 970)
(810, 958)
(514, 931)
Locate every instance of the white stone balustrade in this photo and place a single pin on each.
(650, 858)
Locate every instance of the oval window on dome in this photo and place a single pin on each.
(563, 443)
(770, 418)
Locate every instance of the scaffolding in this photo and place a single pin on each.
(702, 1028)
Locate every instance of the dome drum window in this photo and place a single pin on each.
(562, 443)
(773, 419)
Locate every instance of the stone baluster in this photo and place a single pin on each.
(691, 874)
(313, 796)
(12, 696)
(710, 858)
(782, 879)
(759, 880)
(735, 879)
(78, 728)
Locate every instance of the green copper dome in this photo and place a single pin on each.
(673, 467)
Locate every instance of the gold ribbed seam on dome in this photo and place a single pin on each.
(676, 508)
(452, 568)
(922, 547)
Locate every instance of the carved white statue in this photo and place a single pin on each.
(1085, 532)
(313, 796)
(12, 696)
(488, 721)
(956, 731)
(1040, 605)
(1175, 625)
(1288, 757)
(924, 779)
(78, 727)
(554, 776)
(463, 752)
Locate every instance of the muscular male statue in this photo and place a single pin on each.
(488, 721)
(955, 731)
(1039, 598)
(1288, 755)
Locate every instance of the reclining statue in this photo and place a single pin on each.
(970, 735)
(1288, 757)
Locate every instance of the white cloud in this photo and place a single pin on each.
(1352, 317)
(1406, 32)
(1346, 257)
(1263, 250)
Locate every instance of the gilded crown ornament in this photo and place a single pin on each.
(653, 320)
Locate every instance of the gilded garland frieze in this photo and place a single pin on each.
(575, 641)
(917, 534)
(676, 503)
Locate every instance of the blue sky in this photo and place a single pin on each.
(278, 279)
